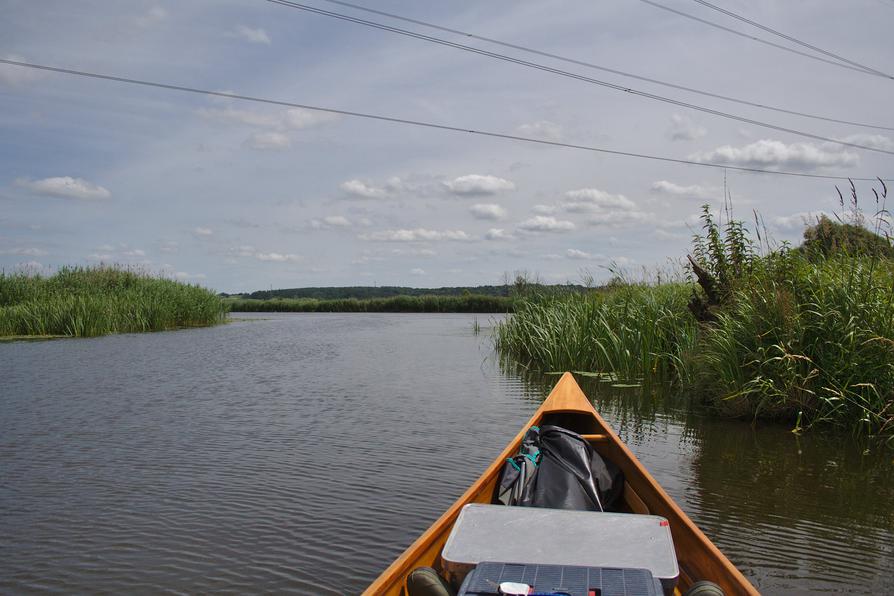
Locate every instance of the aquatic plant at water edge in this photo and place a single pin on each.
(804, 335)
(817, 345)
(631, 330)
(91, 301)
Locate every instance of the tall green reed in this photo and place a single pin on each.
(804, 335)
(91, 301)
(634, 331)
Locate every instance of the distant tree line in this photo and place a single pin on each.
(370, 292)
(469, 303)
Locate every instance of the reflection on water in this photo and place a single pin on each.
(301, 453)
(794, 513)
(799, 512)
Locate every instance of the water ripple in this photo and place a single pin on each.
(300, 454)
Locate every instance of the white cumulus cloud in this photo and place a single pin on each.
(417, 271)
(338, 221)
(543, 223)
(153, 16)
(771, 154)
(16, 76)
(603, 208)
(201, 232)
(249, 251)
(545, 209)
(245, 250)
(684, 129)
(619, 218)
(330, 221)
(875, 141)
(365, 190)
(797, 221)
(416, 235)
(65, 187)
(488, 211)
(24, 252)
(248, 117)
(293, 118)
(573, 253)
(269, 141)
(277, 257)
(300, 118)
(590, 200)
(690, 222)
(32, 268)
(542, 129)
(251, 35)
(694, 191)
(498, 234)
(477, 184)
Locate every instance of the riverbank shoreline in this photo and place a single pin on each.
(802, 335)
(472, 303)
(94, 301)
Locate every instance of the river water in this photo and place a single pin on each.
(300, 453)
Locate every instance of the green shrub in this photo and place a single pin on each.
(816, 345)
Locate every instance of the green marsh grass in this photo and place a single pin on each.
(634, 331)
(92, 301)
(801, 335)
(816, 345)
(471, 303)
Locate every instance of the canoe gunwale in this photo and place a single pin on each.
(567, 398)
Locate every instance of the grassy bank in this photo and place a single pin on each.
(634, 331)
(443, 304)
(814, 343)
(800, 335)
(87, 302)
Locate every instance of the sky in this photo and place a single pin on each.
(240, 196)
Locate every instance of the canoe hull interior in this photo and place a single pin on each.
(568, 407)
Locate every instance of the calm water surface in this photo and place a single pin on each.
(301, 453)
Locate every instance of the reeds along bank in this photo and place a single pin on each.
(91, 301)
(445, 304)
(804, 335)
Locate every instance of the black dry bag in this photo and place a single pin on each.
(558, 469)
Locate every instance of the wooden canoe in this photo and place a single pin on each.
(567, 406)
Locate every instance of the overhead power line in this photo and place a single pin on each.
(605, 68)
(794, 40)
(571, 75)
(420, 123)
(763, 41)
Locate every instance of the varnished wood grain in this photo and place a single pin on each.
(697, 556)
